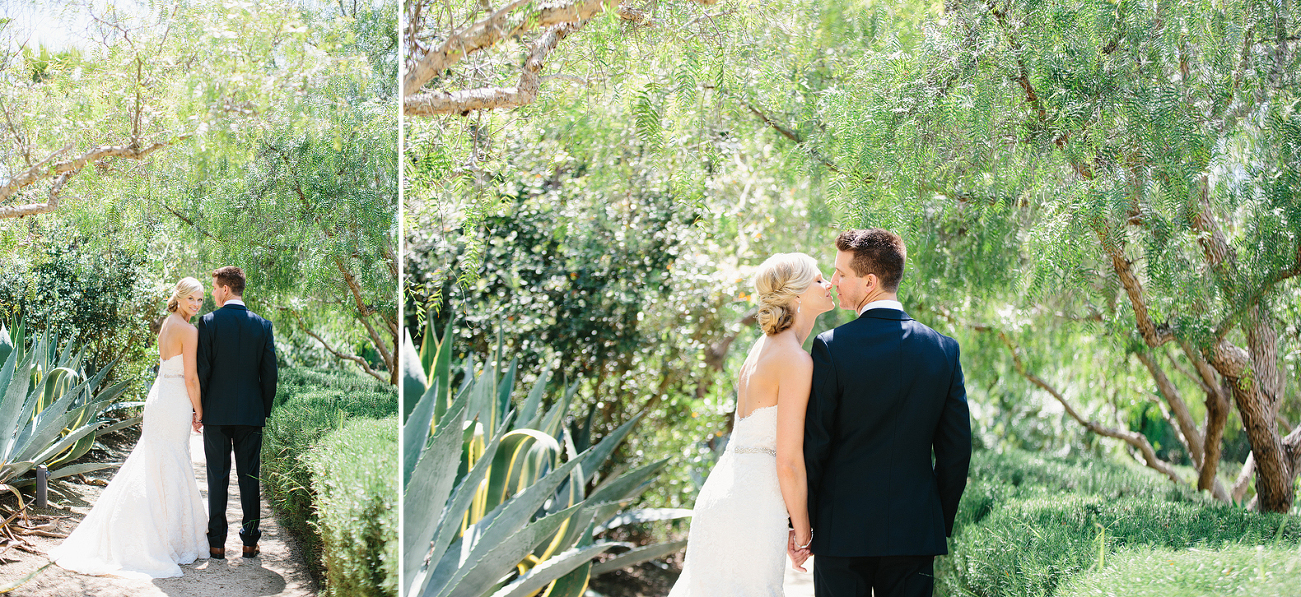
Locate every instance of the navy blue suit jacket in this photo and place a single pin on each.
(887, 394)
(236, 366)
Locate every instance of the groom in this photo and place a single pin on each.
(237, 380)
(887, 394)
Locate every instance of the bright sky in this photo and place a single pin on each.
(56, 24)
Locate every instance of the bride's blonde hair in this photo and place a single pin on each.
(184, 288)
(778, 281)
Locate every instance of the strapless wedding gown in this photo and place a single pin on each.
(151, 517)
(737, 541)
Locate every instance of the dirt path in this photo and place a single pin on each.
(799, 584)
(277, 571)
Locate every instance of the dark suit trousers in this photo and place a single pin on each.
(218, 442)
(897, 576)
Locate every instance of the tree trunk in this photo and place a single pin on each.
(1273, 475)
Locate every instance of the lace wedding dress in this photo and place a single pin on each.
(151, 517)
(737, 542)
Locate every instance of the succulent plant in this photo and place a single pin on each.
(496, 499)
(50, 410)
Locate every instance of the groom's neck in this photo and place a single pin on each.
(879, 295)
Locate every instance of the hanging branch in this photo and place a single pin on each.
(1133, 438)
(1136, 440)
(62, 171)
(365, 366)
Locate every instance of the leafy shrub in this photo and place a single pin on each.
(1031, 546)
(996, 478)
(354, 474)
(1234, 570)
(293, 430)
(295, 381)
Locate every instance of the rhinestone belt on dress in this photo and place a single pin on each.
(754, 450)
(173, 375)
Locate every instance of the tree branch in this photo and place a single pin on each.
(1153, 334)
(1244, 477)
(187, 220)
(363, 313)
(61, 171)
(800, 141)
(1188, 432)
(491, 30)
(716, 355)
(1133, 438)
(432, 102)
(349, 357)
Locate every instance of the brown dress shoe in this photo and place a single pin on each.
(251, 551)
(217, 553)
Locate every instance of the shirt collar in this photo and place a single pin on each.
(881, 304)
(235, 302)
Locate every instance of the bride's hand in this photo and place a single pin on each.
(797, 555)
(197, 422)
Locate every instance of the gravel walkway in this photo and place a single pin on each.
(279, 569)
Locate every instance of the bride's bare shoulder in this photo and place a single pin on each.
(782, 359)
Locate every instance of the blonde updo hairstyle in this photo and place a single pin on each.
(779, 280)
(184, 288)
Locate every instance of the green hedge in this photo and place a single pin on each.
(1027, 525)
(354, 473)
(1236, 570)
(306, 414)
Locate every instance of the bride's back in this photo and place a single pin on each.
(169, 337)
(757, 384)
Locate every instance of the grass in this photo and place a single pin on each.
(1234, 570)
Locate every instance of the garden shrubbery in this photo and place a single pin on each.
(1028, 525)
(311, 407)
(354, 472)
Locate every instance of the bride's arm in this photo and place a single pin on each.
(794, 381)
(190, 348)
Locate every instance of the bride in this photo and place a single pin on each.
(738, 533)
(151, 518)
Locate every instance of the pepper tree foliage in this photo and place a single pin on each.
(1099, 201)
(247, 104)
(1124, 171)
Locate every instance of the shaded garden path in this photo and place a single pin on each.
(278, 571)
(798, 584)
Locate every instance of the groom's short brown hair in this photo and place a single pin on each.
(876, 251)
(230, 276)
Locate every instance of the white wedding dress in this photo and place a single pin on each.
(151, 517)
(737, 542)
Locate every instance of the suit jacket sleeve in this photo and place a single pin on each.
(952, 445)
(268, 371)
(203, 359)
(819, 421)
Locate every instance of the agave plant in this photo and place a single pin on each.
(496, 499)
(49, 409)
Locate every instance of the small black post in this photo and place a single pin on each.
(42, 486)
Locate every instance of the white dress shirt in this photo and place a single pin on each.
(881, 304)
(240, 302)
